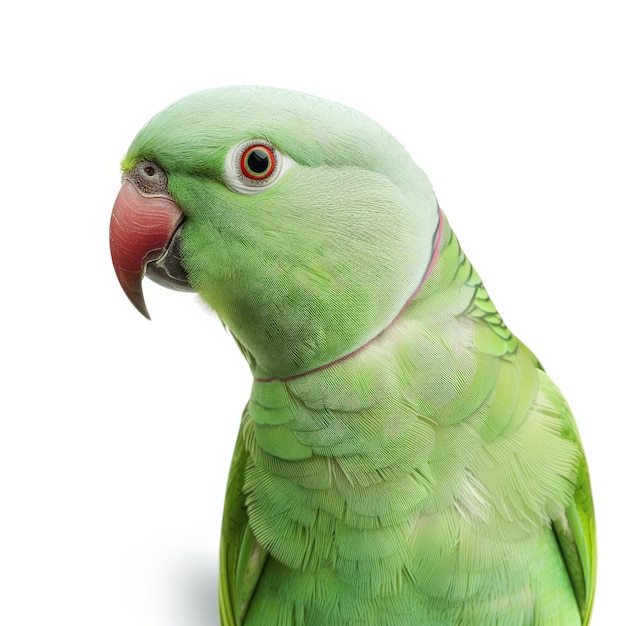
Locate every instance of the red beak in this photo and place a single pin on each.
(141, 228)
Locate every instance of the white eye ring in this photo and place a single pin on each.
(254, 165)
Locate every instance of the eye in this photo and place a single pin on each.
(253, 166)
(258, 162)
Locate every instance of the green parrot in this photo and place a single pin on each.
(403, 458)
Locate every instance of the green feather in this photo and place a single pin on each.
(403, 458)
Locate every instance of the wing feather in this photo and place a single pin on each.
(241, 557)
(575, 533)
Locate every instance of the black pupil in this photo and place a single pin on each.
(258, 161)
(149, 170)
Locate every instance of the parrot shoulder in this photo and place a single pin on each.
(241, 556)
(574, 526)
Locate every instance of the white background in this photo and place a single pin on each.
(116, 433)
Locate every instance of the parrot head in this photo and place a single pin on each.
(301, 222)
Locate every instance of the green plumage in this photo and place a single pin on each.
(403, 459)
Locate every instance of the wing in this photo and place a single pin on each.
(241, 557)
(575, 533)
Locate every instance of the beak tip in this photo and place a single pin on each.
(142, 309)
(131, 283)
(137, 299)
(138, 302)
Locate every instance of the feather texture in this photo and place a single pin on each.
(403, 458)
(419, 481)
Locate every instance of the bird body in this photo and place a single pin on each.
(403, 457)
